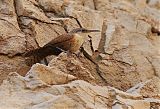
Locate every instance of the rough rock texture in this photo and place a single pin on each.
(12, 40)
(129, 43)
(12, 64)
(125, 55)
(30, 93)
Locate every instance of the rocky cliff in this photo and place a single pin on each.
(119, 67)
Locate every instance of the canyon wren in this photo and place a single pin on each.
(70, 42)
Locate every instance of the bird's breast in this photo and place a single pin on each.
(77, 42)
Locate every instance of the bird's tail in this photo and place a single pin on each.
(36, 55)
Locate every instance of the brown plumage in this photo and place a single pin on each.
(66, 42)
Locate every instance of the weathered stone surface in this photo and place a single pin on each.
(155, 62)
(154, 3)
(12, 45)
(49, 76)
(149, 88)
(71, 24)
(131, 62)
(12, 40)
(76, 95)
(118, 40)
(46, 32)
(127, 20)
(127, 41)
(7, 65)
(56, 6)
(74, 66)
(28, 8)
(7, 12)
(140, 3)
(128, 47)
(108, 35)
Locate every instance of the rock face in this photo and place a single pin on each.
(12, 40)
(129, 43)
(124, 56)
(36, 91)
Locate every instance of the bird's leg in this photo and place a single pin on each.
(78, 53)
(61, 50)
(69, 54)
(44, 61)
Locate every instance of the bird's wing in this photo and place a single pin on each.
(38, 54)
(43, 52)
(60, 39)
(51, 48)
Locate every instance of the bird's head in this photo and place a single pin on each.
(83, 30)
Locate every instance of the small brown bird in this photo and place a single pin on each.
(71, 42)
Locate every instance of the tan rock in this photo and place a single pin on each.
(154, 3)
(59, 6)
(27, 8)
(8, 13)
(117, 40)
(102, 5)
(76, 95)
(7, 65)
(71, 24)
(72, 65)
(12, 45)
(151, 13)
(12, 40)
(123, 56)
(52, 6)
(108, 35)
(127, 45)
(149, 88)
(126, 20)
(155, 62)
(46, 32)
(140, 4)
(42, 74)
(130, 54)
(143, 27)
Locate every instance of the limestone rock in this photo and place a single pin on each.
(127, 42)
(108, 35)
(155, 62)
(140, 4)
(72, 65)
(154, 3)
(55, 6)
(27, 8)
(46, 33)
(75, 95)
(12, 45)
(126, 57)
(71, 24)
(148, 88)
(7, 12)
(46, 75)
(12, 40)
(7, 65)
(127, 20)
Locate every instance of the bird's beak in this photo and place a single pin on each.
(88, 31)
